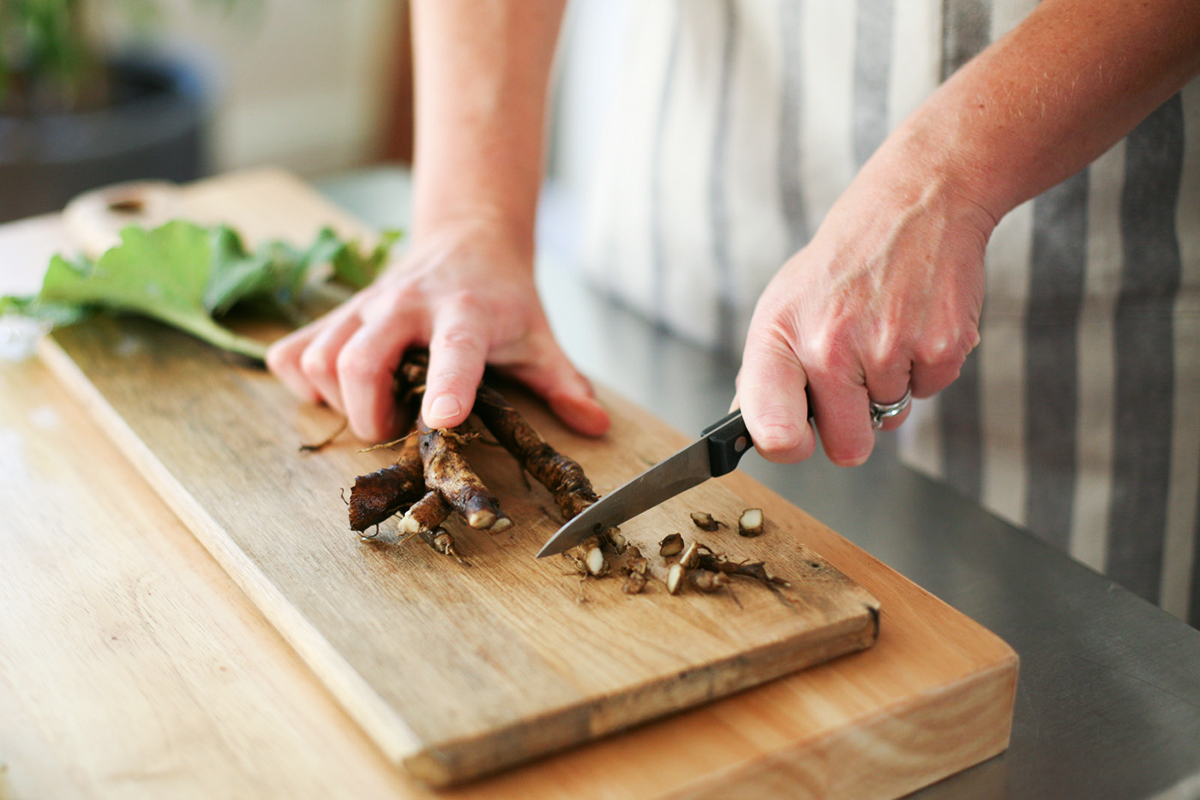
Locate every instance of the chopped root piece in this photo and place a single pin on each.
(563, 477)
(675, 576)
(634, 583)
(425, 514)
(382, 493)
(447, 471)
(691, 555)
(597, 564)
(615, 539)
(707, 582)
(671, 545)
(755, 570)
(705, 521)
(637, 569)
(750, 523)
(575, 558)
(635, 561)
(441, 540)
(588, 558)
(758, 571)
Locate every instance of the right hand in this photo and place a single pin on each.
(887, 297)
(465, 290)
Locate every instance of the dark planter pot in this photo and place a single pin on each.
(155, 128)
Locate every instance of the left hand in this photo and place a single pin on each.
(466, 290)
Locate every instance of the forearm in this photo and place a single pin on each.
(1051, 96)
(482, 75)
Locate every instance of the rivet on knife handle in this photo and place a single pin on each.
(728, 440)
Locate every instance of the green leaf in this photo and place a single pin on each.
(165, 268)
(234, 273)
(58, 315)
(185, 275)
(356, 270)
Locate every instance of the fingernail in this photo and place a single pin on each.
(444, 408)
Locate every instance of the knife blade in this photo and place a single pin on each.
(717, 452)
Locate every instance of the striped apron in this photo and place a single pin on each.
(737, 125)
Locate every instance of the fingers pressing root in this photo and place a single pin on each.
(432, 479)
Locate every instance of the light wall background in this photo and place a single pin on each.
(303, 84)
(319, 86)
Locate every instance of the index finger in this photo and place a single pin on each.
(458, 350)
(772, 395)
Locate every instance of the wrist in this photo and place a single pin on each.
(930, 172)
(473, 226)
(498, 199)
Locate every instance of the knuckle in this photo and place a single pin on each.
(838, 346)
(316, 365)
(937, 350)
(887, 353)
(457, 338)
(822, 340)
(826, 354)
(357, 366)
(453, 380)
(469, 303)
(399, 302)
(946, 351)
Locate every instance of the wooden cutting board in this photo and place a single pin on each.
(457, 670)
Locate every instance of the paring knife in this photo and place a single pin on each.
(717, 452)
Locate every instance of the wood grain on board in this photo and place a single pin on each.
(458, 670)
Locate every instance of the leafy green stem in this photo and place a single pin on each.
(205, 329)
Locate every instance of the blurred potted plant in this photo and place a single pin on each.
(74, 116)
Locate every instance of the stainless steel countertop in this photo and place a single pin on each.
(1108, 703)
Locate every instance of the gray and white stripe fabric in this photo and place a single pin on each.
(738, 124)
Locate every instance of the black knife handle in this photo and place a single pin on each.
(728, 440)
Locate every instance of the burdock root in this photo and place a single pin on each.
(388, 491)
(432, 478)
(563, 477)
